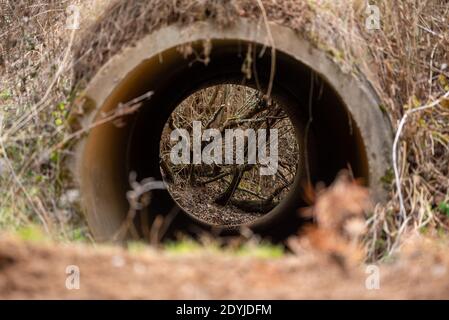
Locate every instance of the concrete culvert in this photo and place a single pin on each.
(337, 120)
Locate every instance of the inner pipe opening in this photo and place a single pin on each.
(229, 156)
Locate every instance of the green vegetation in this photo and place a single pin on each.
(79, 234)
(136, 247)
(444, 208)
(264, 250)
(188, 246)
(388, 178)
(5, 94)
(32, 233)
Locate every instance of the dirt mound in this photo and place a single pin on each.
(32, 271)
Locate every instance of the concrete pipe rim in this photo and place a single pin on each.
(112, 84)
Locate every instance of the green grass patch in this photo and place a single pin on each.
(184, 247)
(32, 233)
(136, 247)
(5, 95)
(79, 234)
(260, 250)
(444, 208)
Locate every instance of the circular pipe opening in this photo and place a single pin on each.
(229, 156)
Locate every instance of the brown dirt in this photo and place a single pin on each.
(200, 202)
(37, 271)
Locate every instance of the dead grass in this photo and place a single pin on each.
(35, 68)
(406, 64)
(411, 71)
